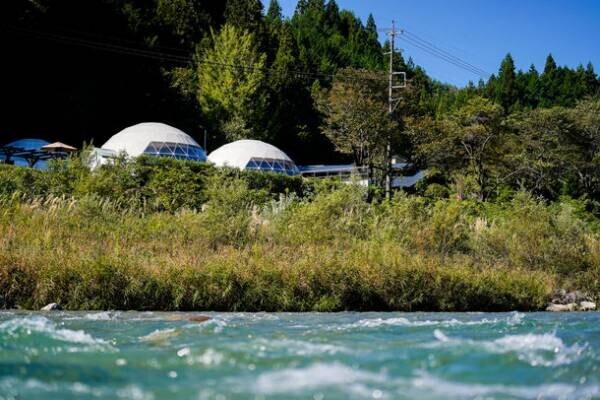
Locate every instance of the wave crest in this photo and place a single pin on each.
(514, 319)
(26, 326)
(535, 349)
(315, 376)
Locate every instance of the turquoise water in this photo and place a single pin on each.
(130, 355)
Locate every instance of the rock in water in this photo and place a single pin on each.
(199, 318)
(159, 336)
(587, 306)
(561, 307)
(192, 318)
(51, 307)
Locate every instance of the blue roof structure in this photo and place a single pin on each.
(346, 171)
(315, 169)
(28, 144)
(25, 152)
(337, 168)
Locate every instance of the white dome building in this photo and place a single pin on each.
(253, 155)
(155, 139)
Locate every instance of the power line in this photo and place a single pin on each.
(120, 49)
(118, 39)
(444, 52)
(437, 51)
(443, 57)
(179, 59)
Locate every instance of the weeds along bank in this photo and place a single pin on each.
(167, 235)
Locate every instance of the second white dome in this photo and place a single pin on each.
(253, 154)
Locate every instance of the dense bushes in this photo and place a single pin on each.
(161, 234)
(148, 183)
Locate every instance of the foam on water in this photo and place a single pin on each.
(13, 387)
(99, 316)
(25, 326)
(215, 325)
(208, 357)
(536, 349)
(315, 376)
(514, 319)
(301, 347)
(460, 390)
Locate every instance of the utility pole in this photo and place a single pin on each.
(392, 103)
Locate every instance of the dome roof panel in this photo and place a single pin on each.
(238, 154)
(135, 139)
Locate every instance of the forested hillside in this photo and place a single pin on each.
(80, 71)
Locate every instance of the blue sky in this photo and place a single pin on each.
(481, 32)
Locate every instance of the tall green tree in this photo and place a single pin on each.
(245, 15)
(550, 66)
(591, 80)
(549, 82)
(356, 117)
(371, 27)
(231, 83)
(274, 16)
(273, 24)
(531, 87)
(506, 86)
(287, 93)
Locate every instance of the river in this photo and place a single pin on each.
(146, 355)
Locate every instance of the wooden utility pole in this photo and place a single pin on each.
(392, 103)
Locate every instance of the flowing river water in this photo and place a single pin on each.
(146, 355)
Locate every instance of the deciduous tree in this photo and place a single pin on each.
(356, 117)
(231, 82)
(467, 141)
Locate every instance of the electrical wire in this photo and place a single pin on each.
(442, 57)
(444, 52)
(178, 59)
(436, 51)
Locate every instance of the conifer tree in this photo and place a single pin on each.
(245, 15)
(550, 66)
(274, 15)
(301, 7)
(591, 80)
(506, 93)
(371, 27)
(549, 83)
(332, 14)
(532, 87)
(273, 22)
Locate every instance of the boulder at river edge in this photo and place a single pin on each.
(570, 301)
(587, 306)
(561, 307)
(51, 307)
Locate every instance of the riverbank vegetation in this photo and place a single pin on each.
(170, 235)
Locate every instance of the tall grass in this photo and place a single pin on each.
(230, 241)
